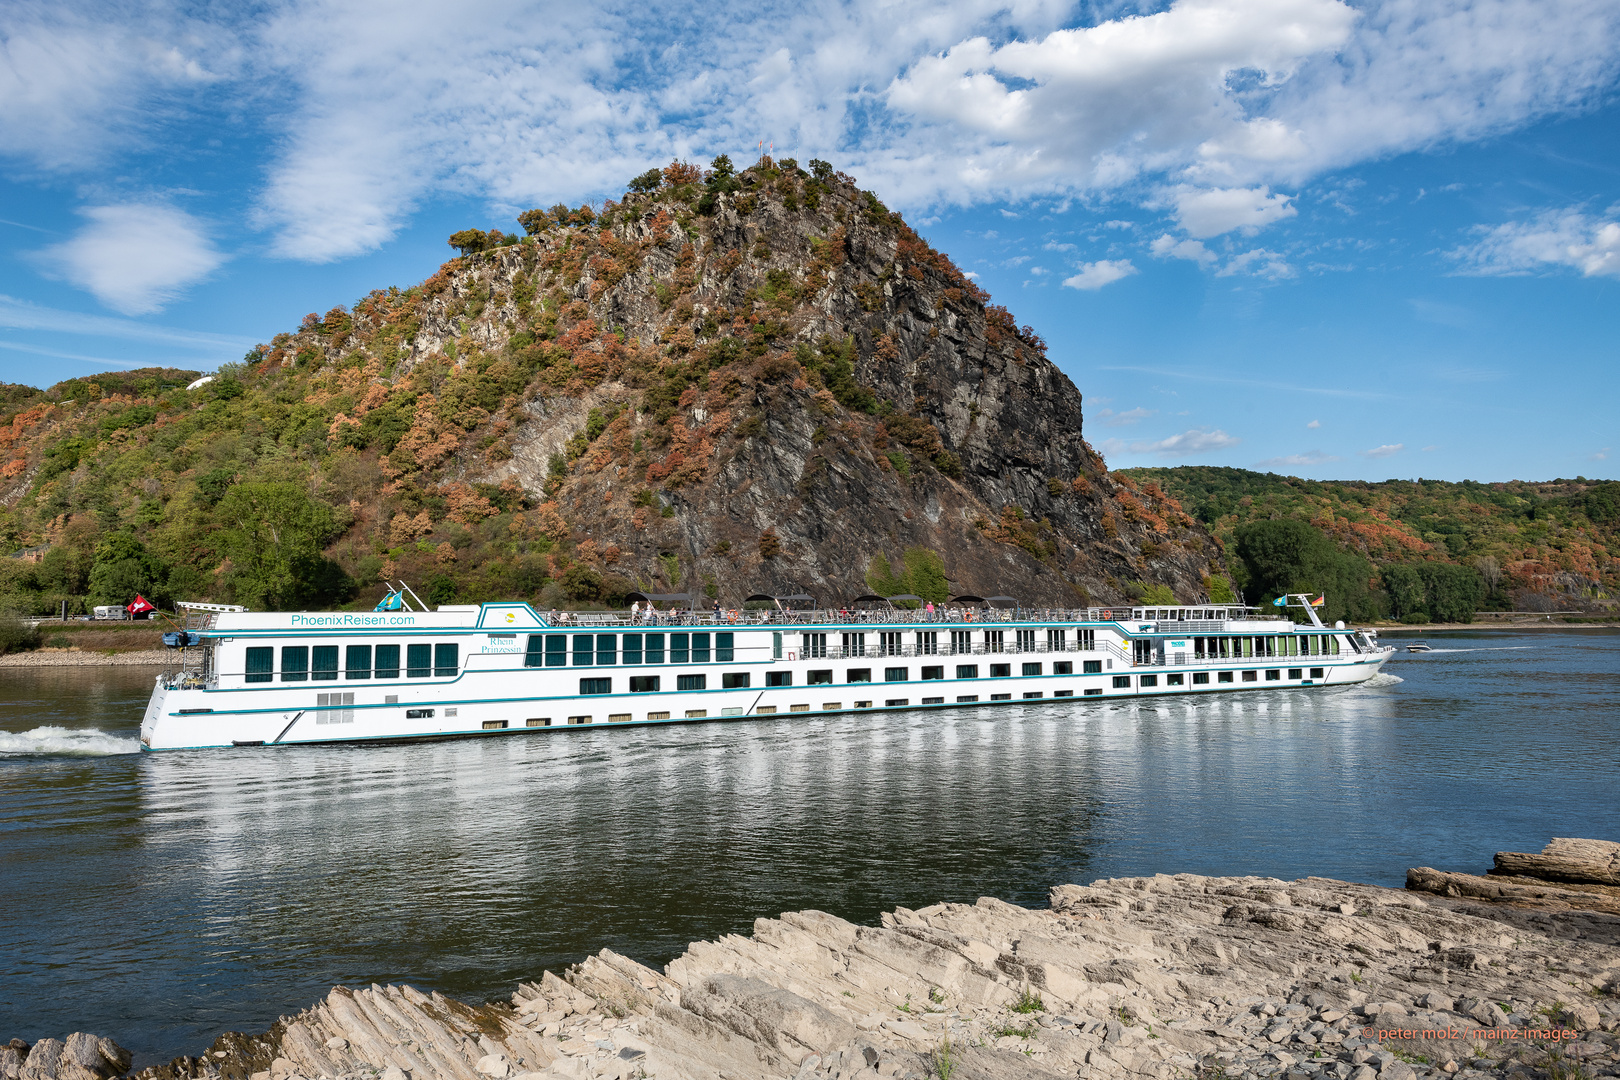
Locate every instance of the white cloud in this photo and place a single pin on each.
(1168, 247)
(1600, 455)
(1259, 262)
(1294, 461)
(1095, 275)
(18, 314)
(1551, 240)
(1387, 450)
(1314, 424)
(1210, 212)
(134, 257)
(1188, 443)
(1126, 418)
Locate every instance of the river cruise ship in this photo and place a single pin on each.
(289, 678)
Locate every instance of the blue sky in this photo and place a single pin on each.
(1334, 239)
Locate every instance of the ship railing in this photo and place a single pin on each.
(830, 616)
(911, 651)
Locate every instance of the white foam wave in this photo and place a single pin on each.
(67, 742)
(1384, 678)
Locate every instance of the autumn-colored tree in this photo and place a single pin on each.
(469, 241)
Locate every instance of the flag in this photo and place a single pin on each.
(392, 602)
(1281, 601)
(140, 606)
(1319, 601)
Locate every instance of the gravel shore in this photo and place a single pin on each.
(83, 658)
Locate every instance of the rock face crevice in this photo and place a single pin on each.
(1165, 977)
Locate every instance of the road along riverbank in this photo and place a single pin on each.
(1162, 977)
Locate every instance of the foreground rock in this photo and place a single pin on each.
(1568, 875)
(1161, 977)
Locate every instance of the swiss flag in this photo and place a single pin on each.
(141, 606)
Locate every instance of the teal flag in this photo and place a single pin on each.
(1281, 601)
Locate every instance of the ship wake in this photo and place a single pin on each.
(65, 742)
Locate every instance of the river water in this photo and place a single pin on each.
(164, 898)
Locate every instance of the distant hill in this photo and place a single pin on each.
(1538, 546)
(726, 382)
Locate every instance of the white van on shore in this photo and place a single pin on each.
(110, 612)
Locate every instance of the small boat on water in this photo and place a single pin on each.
(1418, 646)
(255, 679)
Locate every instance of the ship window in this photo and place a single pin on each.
(607, 648)
(537, 721)
(1273, 675)
(1093, 693)
(1000, 697)
(1200, 678)
(734, 680)
(444, 660)
(535, 655)
(967, 671)
(779, 678)
(1063, 693)
(1000, 671)
(1091, 667)
(700, 648)
(1063, 667)
(1032, 694)
(418, 661)
(691, 682)
(1175, 680)
(357, 662)
(776, 645)
(414, 714)
(335, 708)
(858, 674)
(584, 650)
(966, 699)
(896, 674)
(632, 648)
(1224, 676)
(680, 648)
(724, 652)
(1295, 673)
(1251, 676)
(1148, 680)
(934, 672)
(1056, 639)
(556, 650)
(644, 684)
(1032, 669)
(1122, 682)
(494, 725)
(294, 663)
(324, 666)
(1316, 672)
(387, 662)
(818, 678)
(933, 701)
(655, 650)
(260, 664)
(896, 701)
(595, 686)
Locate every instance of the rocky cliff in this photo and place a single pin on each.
(725, 383)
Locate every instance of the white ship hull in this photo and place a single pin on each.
(496, 686)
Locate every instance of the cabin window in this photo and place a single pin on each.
(1224, 676)
(818, 678)
(1093, 693)
(1026, 640)
(1091, 667)
(933, 701)
(966, 699)
(993, 641)
(967, 671)
(1056, 639)
(724, 649)
(1122, 682)
(927, 642)
(1063, 667)
(387, 662)
(1033, 694)
(324, 665)
(961, 642)
(418, 661)
(889, 643)
(859, 674)
(1251, 676)
(1148, 680)
(1000, 671)
(815, 645)
(584, 650)
(734, 680)
(632, 648)
(691, 682)
(896, 674)
(607, 649)
(700, 648)
(357, 662)
(595, 686)
(535, 655)
(1175, 680)
(895, 702)
(1316, 672)
(1032, 669)
(680, 648)
(1200, 678)
(261, 664)
(644, 684)
(854, 644)
(1296, 673)
(654, 653)
(445, 660)
(1274, 675)
(1000, 697)
(556, 650)
(1085, 640)
(779, 678)
(937, 672)
(294, 663)
(776, 645)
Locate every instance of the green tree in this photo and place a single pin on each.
(273, 534)
(648, 181)
(469, 241)
(124, 569)
(1289, 556)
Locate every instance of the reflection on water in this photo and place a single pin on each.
(163, 898)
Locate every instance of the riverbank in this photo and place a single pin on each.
(41, 658)
(1164, 977)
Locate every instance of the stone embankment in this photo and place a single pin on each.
(1162, 978)
(83, 658)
